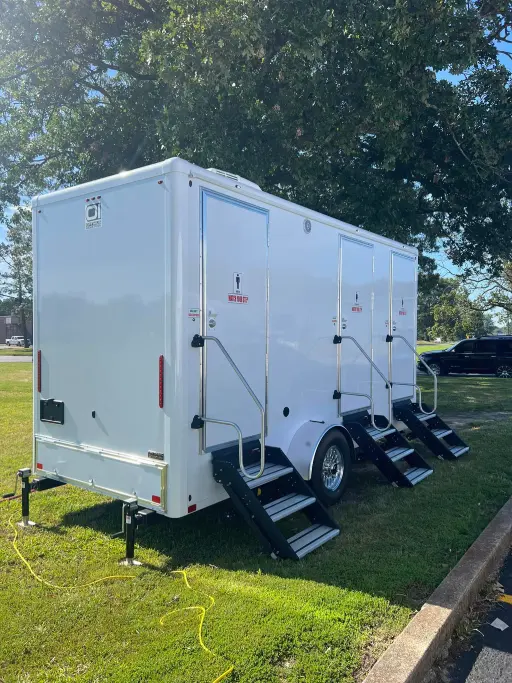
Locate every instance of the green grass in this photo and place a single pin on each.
(424, 347)
(15, 351)
(320, 620)
(458, 395)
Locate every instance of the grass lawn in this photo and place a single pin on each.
(423, 348)
(320, 620)
(461, 394)
(15, 351)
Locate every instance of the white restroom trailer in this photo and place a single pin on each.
(169, 294)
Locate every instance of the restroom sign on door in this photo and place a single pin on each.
(237, 283)
(357, 308)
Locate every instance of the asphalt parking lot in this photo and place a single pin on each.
(489, 659)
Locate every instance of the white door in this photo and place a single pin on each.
(356, 321)
(403, 293)
(235, 256)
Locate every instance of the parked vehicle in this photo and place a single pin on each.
(17, 341)
(271, 335)
(481, 355)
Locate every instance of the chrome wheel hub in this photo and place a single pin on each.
(332, 468)
(436, 369)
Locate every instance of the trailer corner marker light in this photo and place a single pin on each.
(39, 371)
(192, 508)
(161, 381)
(155, 499)
(39, 465)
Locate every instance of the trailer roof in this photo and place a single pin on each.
(224, 180)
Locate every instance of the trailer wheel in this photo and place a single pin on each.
(331, 468)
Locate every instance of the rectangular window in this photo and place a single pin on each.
(486, 346)
(465, 347)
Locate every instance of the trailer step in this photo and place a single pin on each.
(386, 449)
(278, 493)
(441, 433)
(270, 473)
(288, 505)
(398, 453)
(376, 434)
(431, 429)
(417, 474)
(311, 538)
(457, 451)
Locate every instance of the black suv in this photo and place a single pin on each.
(491, 355)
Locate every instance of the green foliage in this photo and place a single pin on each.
(455, 316)
(337, 108)
(16, 257)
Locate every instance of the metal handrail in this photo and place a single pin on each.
(233, 424)
(370, 396)
(412, 384)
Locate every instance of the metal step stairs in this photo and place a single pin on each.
(277, 494)
(386, 449)
(431, 430)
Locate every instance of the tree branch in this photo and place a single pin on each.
(126, 70)
(46, 62)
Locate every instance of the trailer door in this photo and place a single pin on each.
(234, 309)
(403, 305)
(356, 289)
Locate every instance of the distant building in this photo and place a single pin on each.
(10, 326)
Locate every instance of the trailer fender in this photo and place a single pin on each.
(305, 442)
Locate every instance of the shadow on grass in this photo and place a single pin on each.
(394, 543)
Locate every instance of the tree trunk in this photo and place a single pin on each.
(23, 316)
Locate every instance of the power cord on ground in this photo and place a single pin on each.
(202, 611)
(116, 577)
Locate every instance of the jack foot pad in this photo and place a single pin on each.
(130, 562)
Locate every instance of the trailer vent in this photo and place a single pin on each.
(236, 178)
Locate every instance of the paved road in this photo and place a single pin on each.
(15, 359)
(490, 658)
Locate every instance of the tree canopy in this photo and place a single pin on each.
(16, 268)
(449, 313)
(333, 105)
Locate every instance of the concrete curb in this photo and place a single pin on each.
(410, 656)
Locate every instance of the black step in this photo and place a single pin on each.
(441, 433)
(417, 474)
(311, 538)
(423, 417)
(271, 472)
(387, 448)
(398, 452)
(431, 430)
(288, 505)
(281, 492)
(457, 451)
(379, 433)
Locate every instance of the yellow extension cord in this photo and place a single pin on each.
(202, 610)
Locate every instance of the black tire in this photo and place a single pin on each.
(438, 369)
(326, 494)
(504, 371)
